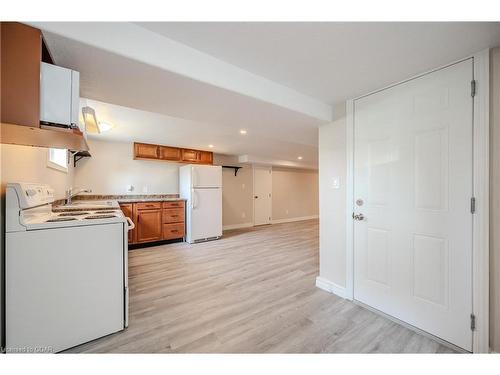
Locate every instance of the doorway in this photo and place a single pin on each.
(412, 196)
(262, 192)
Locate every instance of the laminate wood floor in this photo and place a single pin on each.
(253, 291)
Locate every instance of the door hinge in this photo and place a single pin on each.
(472, 322)
(473, 88)
(473, 205)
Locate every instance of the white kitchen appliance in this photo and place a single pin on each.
(65, 271)
(201, 186)
(59, 95)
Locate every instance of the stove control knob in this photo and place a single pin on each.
(30, 192)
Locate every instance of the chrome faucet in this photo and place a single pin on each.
(70, 193)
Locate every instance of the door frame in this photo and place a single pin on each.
(270, 168)
(480, 220)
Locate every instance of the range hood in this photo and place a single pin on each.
(70, 139)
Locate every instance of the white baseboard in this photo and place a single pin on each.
(292, 219)
(237, 226)
(331, 287)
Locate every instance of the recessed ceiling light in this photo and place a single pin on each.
(300, 158)
(211, 146)
(243, 131)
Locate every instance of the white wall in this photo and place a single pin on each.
(112, 167)
(332, 164)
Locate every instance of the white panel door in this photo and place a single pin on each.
(413, 186)
(262, 188)
(206, 214)
(206, 176)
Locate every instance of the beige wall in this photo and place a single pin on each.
(332, 164)
(495, 200)
(112, 167)
(29, 164)
(295, 194)
(237, 204)
(295, 191)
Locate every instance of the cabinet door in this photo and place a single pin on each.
(128, 211)
(21, 53)
(170, 153)
(148, 225)
(206, 157)
(191, 156)
(143, 150)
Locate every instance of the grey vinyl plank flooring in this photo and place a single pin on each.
(253, 291)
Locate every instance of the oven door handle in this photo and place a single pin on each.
(131, 223)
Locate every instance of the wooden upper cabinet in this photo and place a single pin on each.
(206, 157)
(175, 154)
(21, 54)
(170, 153)
(146, 151)
(190, 156)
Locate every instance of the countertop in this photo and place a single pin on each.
(138, 200)
(96, 202)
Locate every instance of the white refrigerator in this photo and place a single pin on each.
(201, 186)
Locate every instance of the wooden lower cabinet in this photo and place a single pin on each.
(128, 211)
(155, 221)
(148, 225)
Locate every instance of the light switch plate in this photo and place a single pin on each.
(336, 183)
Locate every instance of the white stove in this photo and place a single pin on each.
(66, 270)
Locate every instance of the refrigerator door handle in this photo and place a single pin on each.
(193, 200)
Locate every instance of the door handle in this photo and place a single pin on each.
(256, 196)
(358, 217)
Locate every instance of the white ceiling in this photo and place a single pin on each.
(196, 84)
(142, 126)
(334, 61)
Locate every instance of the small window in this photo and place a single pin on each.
(58, 159)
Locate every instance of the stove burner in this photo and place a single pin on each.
(60, 219)
(74, 213)
(99, 217)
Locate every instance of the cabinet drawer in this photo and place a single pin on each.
(173, 215)
(148, 205)
(175, 204)
(171, 231)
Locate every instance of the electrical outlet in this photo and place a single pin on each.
(129, 188)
